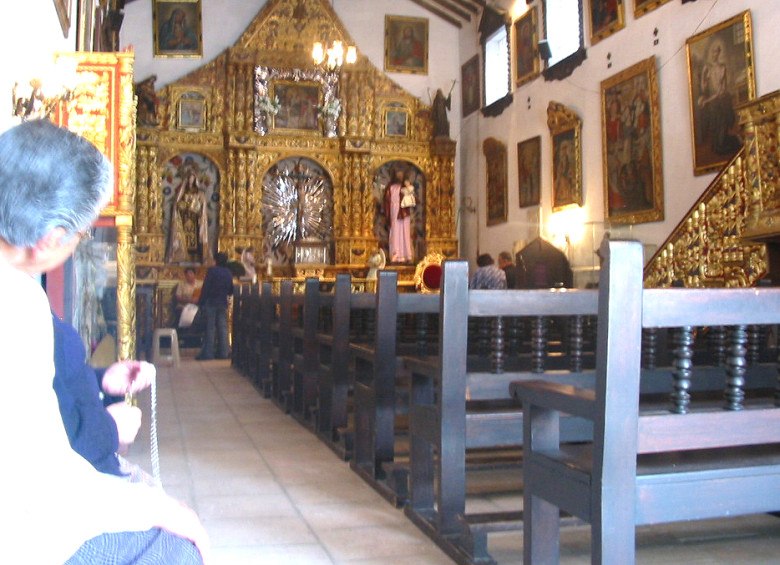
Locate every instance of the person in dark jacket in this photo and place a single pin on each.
(514, 278)
(217, 286)
(96, 431)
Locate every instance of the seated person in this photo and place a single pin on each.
(96, 431)
(488, 275)
(187, 292)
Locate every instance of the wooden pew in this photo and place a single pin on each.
(305, 369)
(456, 405)
(335, 376)
(287, 307)
(649, 466)
(376, 368)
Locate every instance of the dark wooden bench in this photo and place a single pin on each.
(376, 395)
(347, 312)
(650, 466)
(457, 405)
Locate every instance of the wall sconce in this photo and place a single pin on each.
(335, 56)
(48, 88)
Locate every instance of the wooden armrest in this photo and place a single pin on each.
(428, 367)
(564, 398)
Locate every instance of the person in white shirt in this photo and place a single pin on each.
(56, 507)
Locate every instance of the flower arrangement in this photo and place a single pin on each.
(330, 109)
(268, 105)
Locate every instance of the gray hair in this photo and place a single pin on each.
(49, 178)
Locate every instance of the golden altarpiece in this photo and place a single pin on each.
(274, 171)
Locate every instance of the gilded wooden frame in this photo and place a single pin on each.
(496, 181)
(604, 23)
(641, 7)
(724, 50)
(566, 132)
(177, 28)
(527, 65)
(406, 54)
(299, 102)
(631, 145)
(192, 112)
(529, 171)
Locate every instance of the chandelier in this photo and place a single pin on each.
(334, 56)
(48, 86)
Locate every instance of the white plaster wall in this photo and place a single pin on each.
(29, 33)
(581, 92)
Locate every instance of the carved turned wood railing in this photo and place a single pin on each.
(720, 242)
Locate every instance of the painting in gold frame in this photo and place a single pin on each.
(529, 171)
(63, 13)
(178, 30)
(191, 112)
(526, 50)
(396, 122)
(496, 185)
(606, 17)
(720, 76)
(470, 83)
(641, 7)
(406, 45)
(566, 131)
(298, 105)
(631, 145)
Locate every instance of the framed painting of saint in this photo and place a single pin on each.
(631, 145)
(177, 28)
(526, 50)
(566, 131)
(606, 17)
(496, 184)
(720, 76)
(470, 93)
(529, 171)
(298, 103)
(406, 45)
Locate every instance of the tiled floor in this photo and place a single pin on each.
(268, 491)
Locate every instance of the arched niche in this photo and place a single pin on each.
(297, 213)
(190, 187)
(382, 178)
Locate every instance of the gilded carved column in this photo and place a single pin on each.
(241, 193)
(366, 182)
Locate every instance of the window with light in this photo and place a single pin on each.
(563, 25)
(497, 70)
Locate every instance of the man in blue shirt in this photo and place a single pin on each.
(217, 286)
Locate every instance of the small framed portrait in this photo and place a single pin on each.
(470, 93)
(496, 185)
(529, 171)
(566, 130)
(631, 145)
(298, 103)
(526, 50)
(720, 76)
(396, 122)
(177, 28)
(641, 7)
(606, 17)
(406, 45)
(191, 112)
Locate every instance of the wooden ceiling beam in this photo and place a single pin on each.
(434, 10)
(468, 5)
(454, 9)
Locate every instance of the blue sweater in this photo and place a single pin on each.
(90, 428)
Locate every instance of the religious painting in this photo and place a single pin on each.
(566, 130)
(470, 94)
(406, 45)
(720, 76)
(177, 28)
(529, 171)
(606, 17)
(298, 103)
(63, 13)
(496, 187)
(641, 7)
(631, 145)
(191, 112)
(526, 50)
(396, 122)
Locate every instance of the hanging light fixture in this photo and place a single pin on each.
(334, 56)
